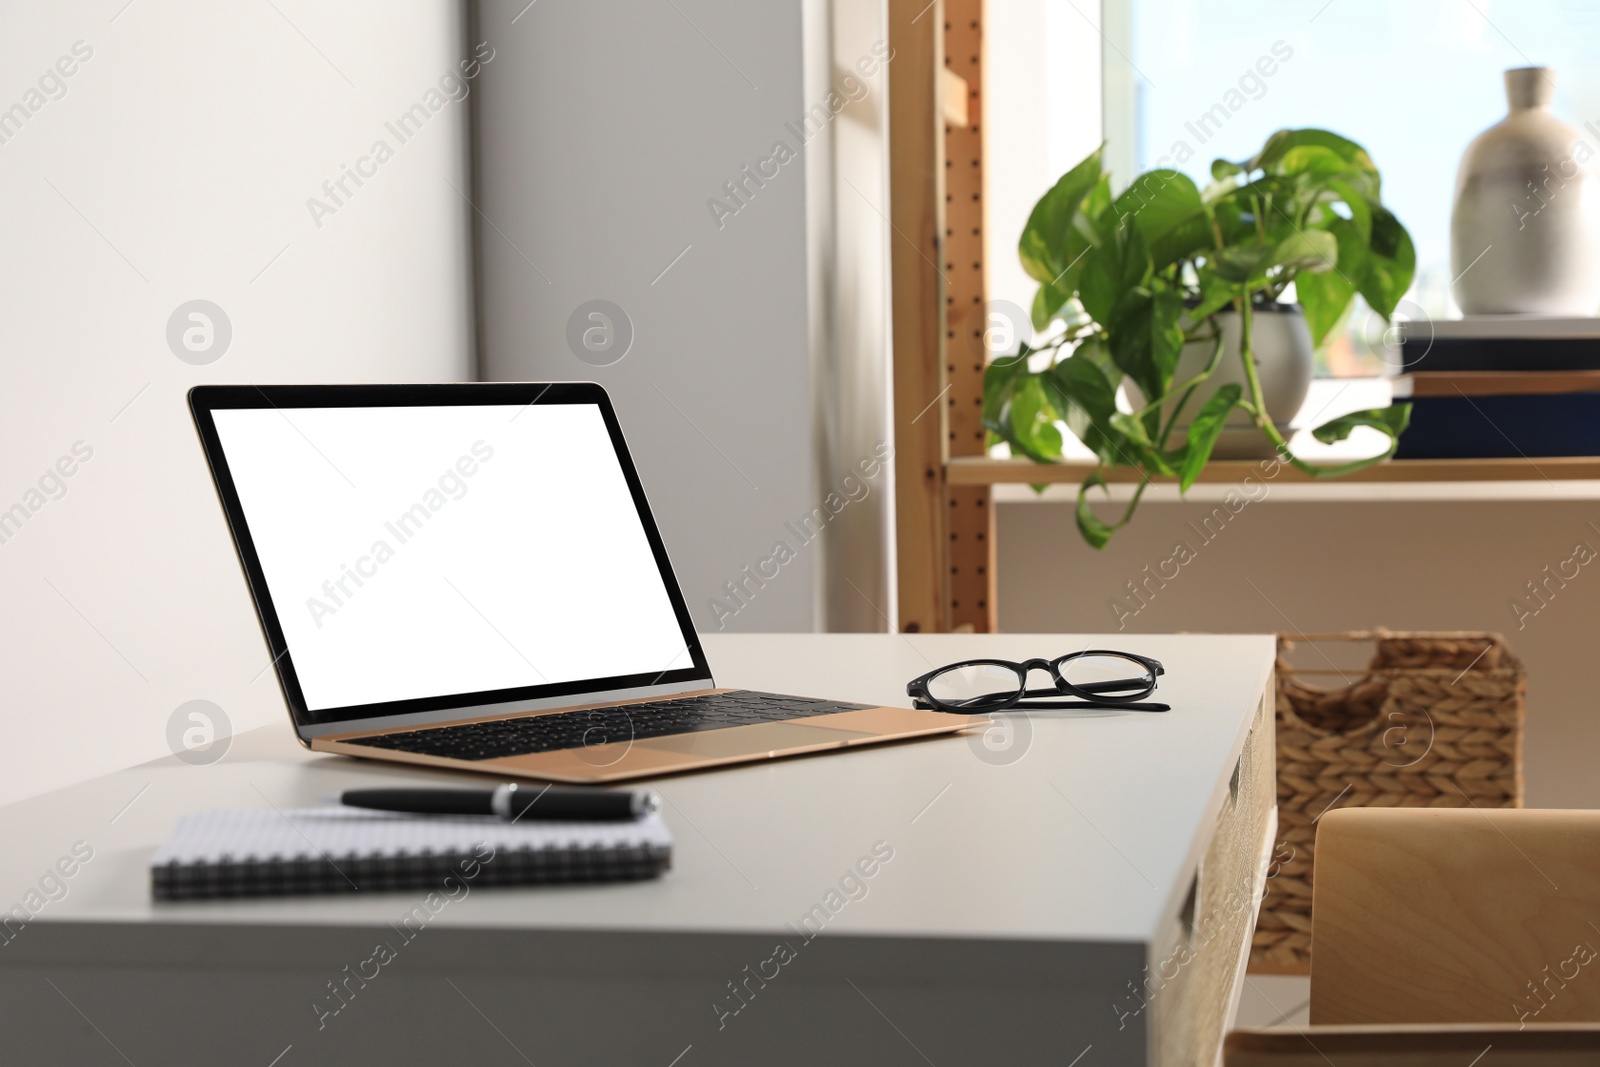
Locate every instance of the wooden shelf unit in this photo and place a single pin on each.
(944, 515)
(944, 540)
(980, 470)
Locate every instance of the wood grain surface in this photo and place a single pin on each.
(1456, 916)
(1416, 1046)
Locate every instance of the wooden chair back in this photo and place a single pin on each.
(1416, 1046)
(1456, 915)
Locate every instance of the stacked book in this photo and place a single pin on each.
(1501, 386)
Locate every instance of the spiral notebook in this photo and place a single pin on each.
(243, 852)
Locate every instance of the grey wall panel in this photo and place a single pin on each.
(603, 131)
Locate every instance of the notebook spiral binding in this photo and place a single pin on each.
(277, 875)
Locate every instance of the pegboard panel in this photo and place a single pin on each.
(968, 518)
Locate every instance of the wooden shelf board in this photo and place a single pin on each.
(980, 470)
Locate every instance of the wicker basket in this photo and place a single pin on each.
(1434, 721)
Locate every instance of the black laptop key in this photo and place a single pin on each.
(598, 726)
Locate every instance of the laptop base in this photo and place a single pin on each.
(625, 760)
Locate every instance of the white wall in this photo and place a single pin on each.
(1338, 557)
(1042, 110)
(847, 200)
(177, 166)
(603, 130)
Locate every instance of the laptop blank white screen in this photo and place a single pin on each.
(417, 552)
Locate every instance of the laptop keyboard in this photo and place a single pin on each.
(598, 726)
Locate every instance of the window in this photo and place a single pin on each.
(1187, 81)
(1413, 81)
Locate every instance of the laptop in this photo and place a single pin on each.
(469, 576)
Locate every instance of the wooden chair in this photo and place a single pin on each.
(1429, 1045)
(1449, 931)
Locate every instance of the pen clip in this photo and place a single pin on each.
(500, 799)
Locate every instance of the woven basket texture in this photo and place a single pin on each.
(1435, 720)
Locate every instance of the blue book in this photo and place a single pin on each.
(1501, 343)
(1502, 427)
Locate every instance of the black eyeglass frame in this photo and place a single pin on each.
(1087, 697)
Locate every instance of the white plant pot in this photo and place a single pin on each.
(1284, 359)
(1525, 229)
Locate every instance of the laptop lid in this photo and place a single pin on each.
(419, 553)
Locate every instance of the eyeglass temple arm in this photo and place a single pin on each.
(1065, 705)
(1092, 687)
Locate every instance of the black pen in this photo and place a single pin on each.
(508, 802)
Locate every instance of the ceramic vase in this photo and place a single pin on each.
(1525, 230)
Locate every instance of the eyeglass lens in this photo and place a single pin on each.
(975, 685)
(1109, 677)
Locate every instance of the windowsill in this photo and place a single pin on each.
(1327, 399)
(1559, 478)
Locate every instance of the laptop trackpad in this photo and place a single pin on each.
(751, 740)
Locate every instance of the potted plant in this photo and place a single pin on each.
(1133, 279)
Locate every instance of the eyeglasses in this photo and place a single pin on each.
(1097, 678)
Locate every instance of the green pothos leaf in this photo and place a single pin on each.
(1032, 422)
(1392, 420)
(1203, 433)
(1047, 247)
(999, 381)
(1085, 400)
(1094, 530)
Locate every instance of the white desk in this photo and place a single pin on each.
(1029, 889)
